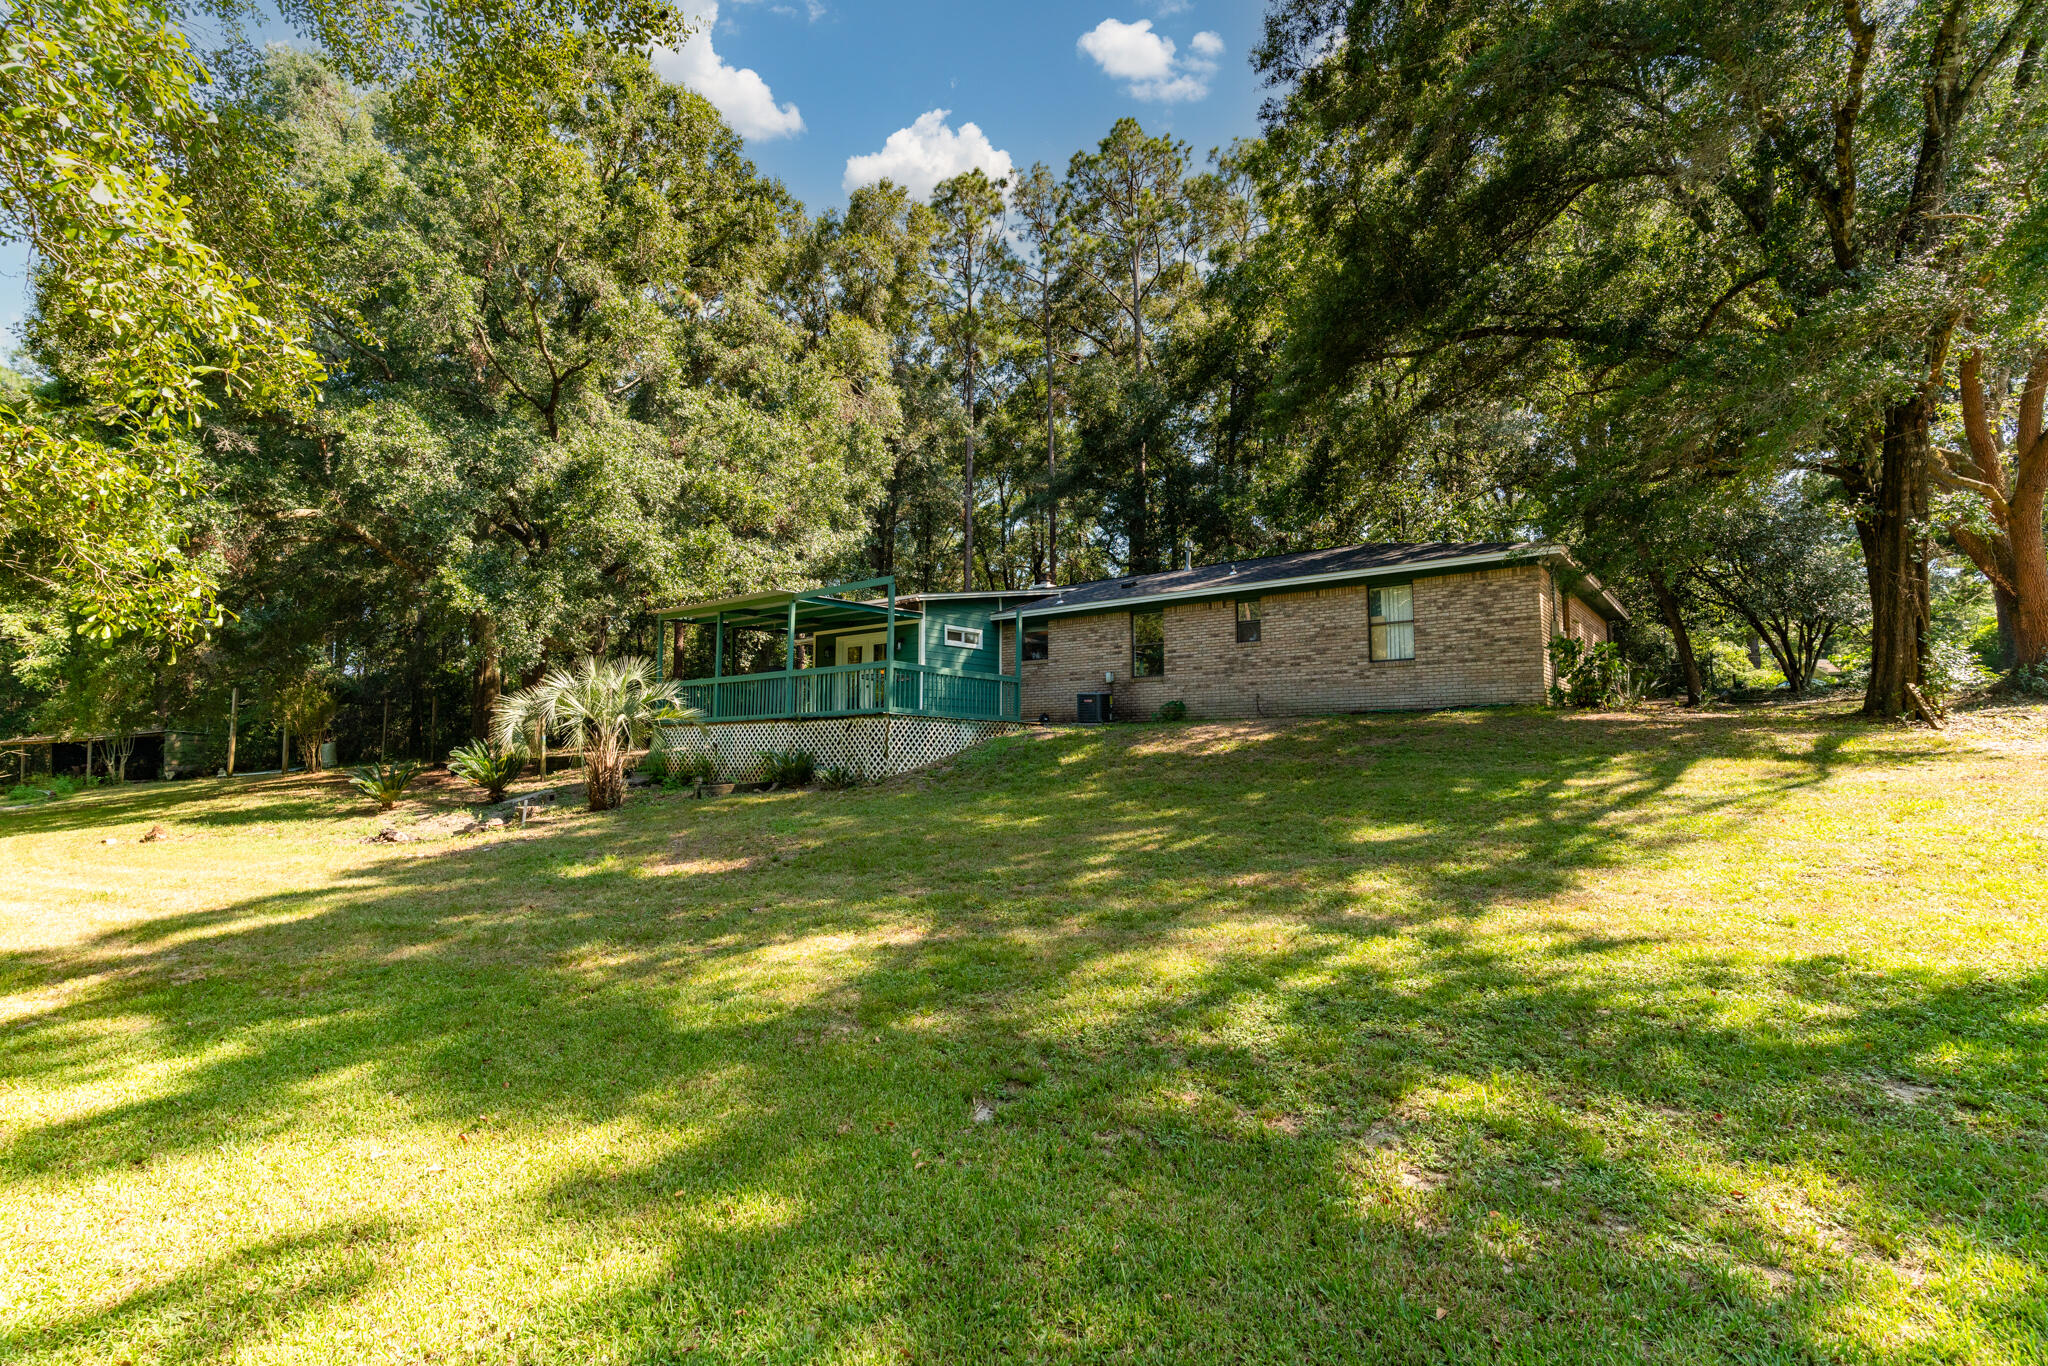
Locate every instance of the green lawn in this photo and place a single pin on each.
(1466, 1037)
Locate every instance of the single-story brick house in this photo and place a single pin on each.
(1361, 627)
(861, 677)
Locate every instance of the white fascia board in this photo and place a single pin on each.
(1530, 555)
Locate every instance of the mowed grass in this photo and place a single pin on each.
(1466, 1037)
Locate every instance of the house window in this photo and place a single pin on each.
(1037, 645)
(853, 654)
(1393, 622)
(1247, 621)
(1148, 643)
(964, 637)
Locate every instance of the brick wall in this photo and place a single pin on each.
(1480, 638)
(1584, 623)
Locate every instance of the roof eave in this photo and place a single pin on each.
(1520, 554)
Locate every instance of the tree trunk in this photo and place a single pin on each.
(2030, 577)
(487, 681)
(1141, 530)
(1052, 463)
(604, 778)
(1891, 522)
(967, 484)
(1674, 621)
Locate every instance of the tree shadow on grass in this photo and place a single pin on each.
(1263, 1085)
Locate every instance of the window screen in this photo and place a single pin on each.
(1247, 621)
(1148, 644)
(1393, 622)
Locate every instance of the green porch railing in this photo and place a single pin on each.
(855, 690)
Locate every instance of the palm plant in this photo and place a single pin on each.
(489, 768)
(385, 783)
(602, 707)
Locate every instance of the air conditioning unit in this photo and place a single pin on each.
(1091, 707)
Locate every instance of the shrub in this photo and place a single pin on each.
(385, 783)
(1171, 711)
(838, 777)
(490, 769)
(688, 770)
(1591, 677)
(23, 792)
(788, 768)
(1952, 669)
(2028, 680)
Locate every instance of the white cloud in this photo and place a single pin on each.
(1131, 52)
(738, 92)
(1166, 9)
(925, 153)
(1149, 61)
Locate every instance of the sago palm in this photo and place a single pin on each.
(602, 707)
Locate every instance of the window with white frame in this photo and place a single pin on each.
(964, 637)
(1393, 622)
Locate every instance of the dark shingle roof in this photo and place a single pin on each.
(1232, 574)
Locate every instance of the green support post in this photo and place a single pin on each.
(789, 663)
(1017, 667)
(889, 655)
(717, 662)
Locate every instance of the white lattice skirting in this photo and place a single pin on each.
(872, 746)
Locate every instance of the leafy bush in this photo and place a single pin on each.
(385, 783)
(23, 792)
(1986, 643)
(688, 770)
(1591, 677)
(838, 777)
(1171, 711)
(2028, 680)
(490, 769)
(1952, 669)
(788, 768)
(1728, 669)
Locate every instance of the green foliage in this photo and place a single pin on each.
(674, 767)
(305, 704)
(2028, 680)
(602, 707)
(1786, 565)
(1171, 711)
(147, 325)
(838, 778)
(1482, 207)
(1591, 676)
(385, 783)
(1952, 670)
(487, 766)
(787, 767)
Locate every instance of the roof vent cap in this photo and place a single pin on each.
(1042, 587)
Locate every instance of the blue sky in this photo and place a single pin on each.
(892, 87)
